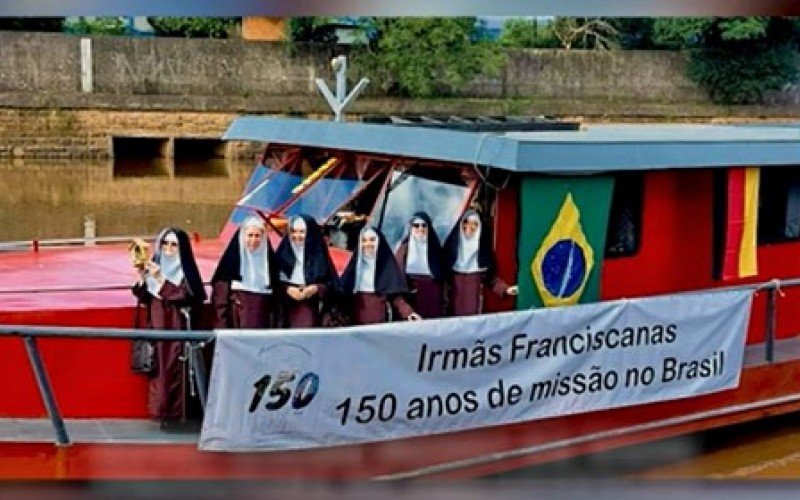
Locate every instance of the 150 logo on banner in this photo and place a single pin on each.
(280, 392)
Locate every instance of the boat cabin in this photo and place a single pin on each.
(659, 208)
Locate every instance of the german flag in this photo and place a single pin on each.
(737, 217)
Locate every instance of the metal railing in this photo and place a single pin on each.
(29, 334)
(195, 338)
(35, 244)
(87, 240)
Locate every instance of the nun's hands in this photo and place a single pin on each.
(141, 274)
(414, 317)
(513, 290)
(294, 292)
(155, 271)
(309, 291)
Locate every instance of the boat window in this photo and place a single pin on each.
(409, 193)
(625, 218)
(779, 205)
(269, 190)
(323, 198)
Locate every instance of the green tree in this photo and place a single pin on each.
(311, 30)
(634, 32)
(95, 26)
(527, 33)
(585, 33)
(425, 57)
(31, 23)
(736, 60)
(195, 27)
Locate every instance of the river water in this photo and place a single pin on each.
(50, 200)
(763, 449)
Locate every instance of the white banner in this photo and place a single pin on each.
(285, 389)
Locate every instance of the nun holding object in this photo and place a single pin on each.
(169, 285)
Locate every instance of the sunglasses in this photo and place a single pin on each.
(169, 243)
(419, 224)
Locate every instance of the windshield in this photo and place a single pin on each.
(269, 191)
(409, 193)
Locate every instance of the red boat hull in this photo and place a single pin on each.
(459, 455)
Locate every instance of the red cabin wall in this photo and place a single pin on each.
(506, 224)
(676, 251)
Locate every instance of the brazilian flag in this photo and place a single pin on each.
(562, 237)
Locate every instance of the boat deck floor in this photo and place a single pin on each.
(98, 430)
(783, 350)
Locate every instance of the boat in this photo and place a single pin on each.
(663, 191)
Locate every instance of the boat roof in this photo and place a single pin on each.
(592, 148)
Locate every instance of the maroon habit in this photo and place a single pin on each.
(427, 291)
(167, 389)
(240, 308)
(466, 292)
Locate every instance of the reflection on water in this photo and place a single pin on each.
(50, 200)
(766, 448)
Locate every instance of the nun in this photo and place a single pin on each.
(420, 256)
(306, 273)
(244, 280)
(171, 288)
(470, 264)
(373, 281)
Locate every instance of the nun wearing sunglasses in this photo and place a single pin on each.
(420, 257)
(172, 291)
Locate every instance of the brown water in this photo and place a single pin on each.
(50, 200)
(764, 449)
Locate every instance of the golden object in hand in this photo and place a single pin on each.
(139, 251)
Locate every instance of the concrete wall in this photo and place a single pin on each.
(86, 133)
(38, 62)
(634, 75)
(196, 67)
(49, 63)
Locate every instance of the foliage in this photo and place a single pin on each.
(195, 27)
(312, 29)
(31, 23)
(527, 33)
(95, 26)
(741, 75)
(634, 32)
(736, 60)
(586, 33)
(425, 57)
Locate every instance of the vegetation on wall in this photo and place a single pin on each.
(736, 60)
(31, 24)
(528, 34)
(95, 26)
(195, 27)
